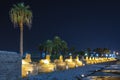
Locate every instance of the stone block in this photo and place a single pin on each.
(10, 66)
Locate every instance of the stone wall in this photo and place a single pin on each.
(10, 66)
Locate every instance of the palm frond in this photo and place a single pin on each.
(21, 14)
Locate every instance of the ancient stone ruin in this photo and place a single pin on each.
(10, 66)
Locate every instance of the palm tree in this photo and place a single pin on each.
(21, 15)
(57, 44)
(64, 47)
(41, 48)
(49, 46)
(106, 51)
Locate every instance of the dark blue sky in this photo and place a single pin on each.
(82, 24)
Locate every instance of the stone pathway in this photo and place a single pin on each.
(111, 72)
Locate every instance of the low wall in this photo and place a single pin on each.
(10, 66)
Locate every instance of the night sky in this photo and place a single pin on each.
(81, 23)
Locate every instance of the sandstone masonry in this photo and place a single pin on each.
(10, 66)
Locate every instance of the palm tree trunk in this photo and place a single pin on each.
(21, 41)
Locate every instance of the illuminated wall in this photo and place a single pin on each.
(10, 66)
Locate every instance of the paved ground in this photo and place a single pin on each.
(111, 72)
